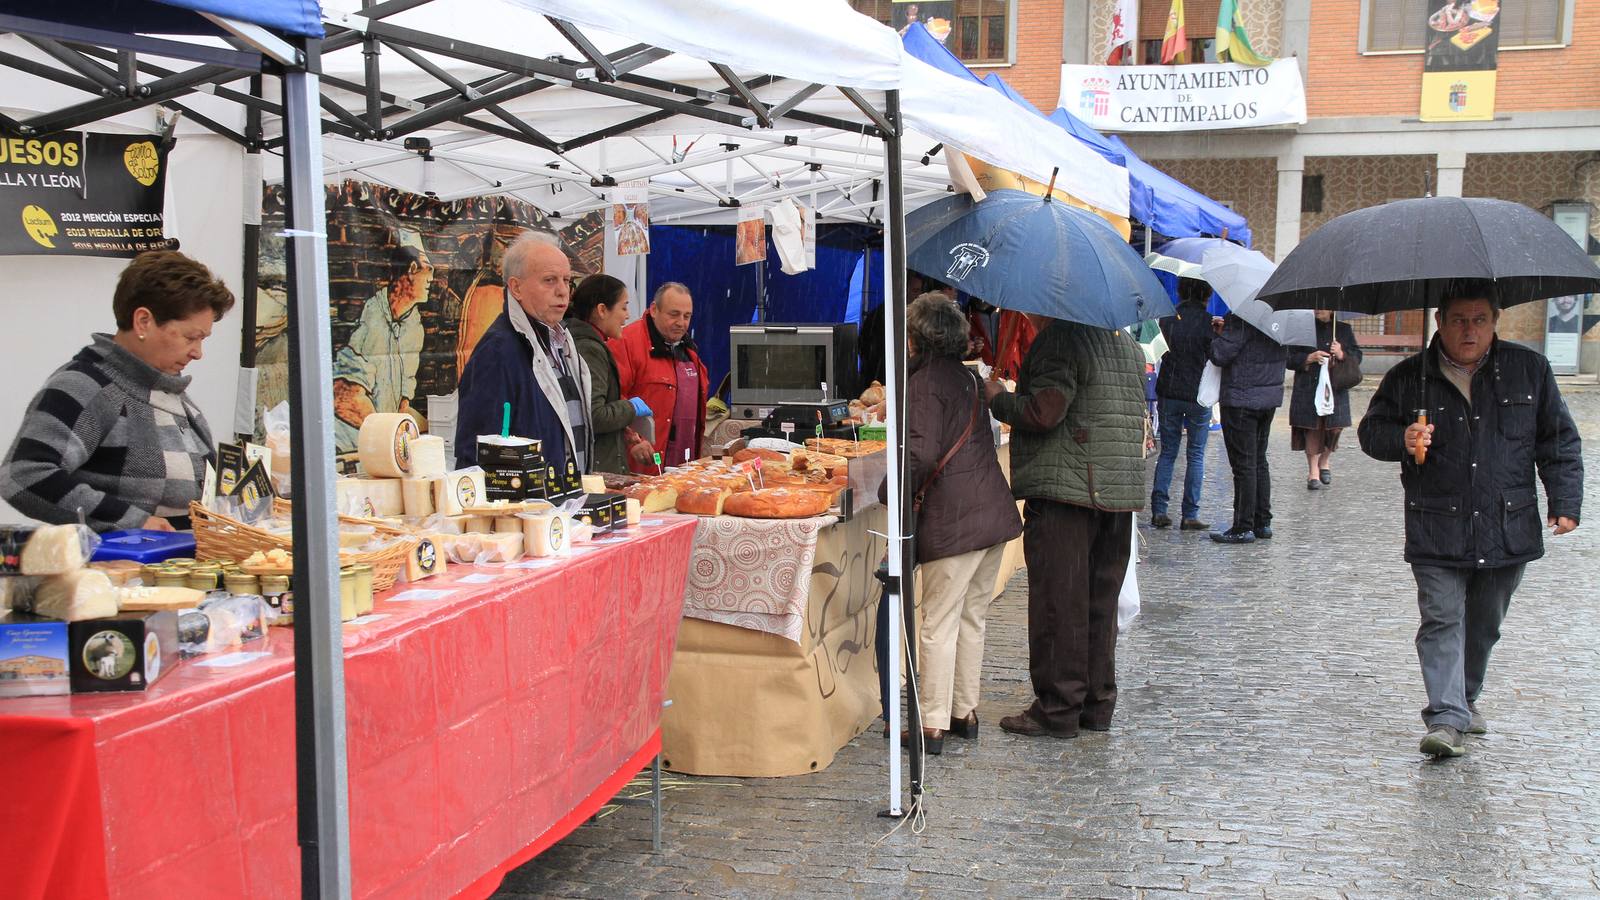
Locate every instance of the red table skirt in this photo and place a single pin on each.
(482, 727)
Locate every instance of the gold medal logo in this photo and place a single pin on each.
(143, 163)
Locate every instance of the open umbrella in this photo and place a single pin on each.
(1237, 275)
(1403, 255)
(1032, 254)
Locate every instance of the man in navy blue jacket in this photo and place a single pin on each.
(528, 359)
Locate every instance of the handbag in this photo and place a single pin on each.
(972, 423)
(1210, 386)
(1344, 374)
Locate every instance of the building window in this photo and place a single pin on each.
(977, 31)
(1201, 50)
(1400, 25)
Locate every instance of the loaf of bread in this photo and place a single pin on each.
(703, 501)
(653, 497)
(777, 503)
(748, 454)
(873, 395)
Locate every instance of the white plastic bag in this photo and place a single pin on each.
(1210, 385)
(1128, 599)
(1325, 402)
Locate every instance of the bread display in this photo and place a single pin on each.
(652, 497)
(703, 501)
(748, 454)
(778, 503)
(844, 448)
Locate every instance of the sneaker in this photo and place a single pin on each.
(1194, 525)
(1441, 741)
(1479, 725)
(1264, 533)
(1161, 520)
(1234, 537)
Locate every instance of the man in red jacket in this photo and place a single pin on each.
(657, 363)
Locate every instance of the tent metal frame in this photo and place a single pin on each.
(114, 68)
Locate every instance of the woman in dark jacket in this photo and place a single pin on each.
(1318, 435)
(598, 311)
(967, 516)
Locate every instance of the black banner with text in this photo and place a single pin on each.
(80, 194)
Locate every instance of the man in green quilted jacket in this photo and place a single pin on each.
(1077, 459)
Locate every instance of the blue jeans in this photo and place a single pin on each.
(1177, 417)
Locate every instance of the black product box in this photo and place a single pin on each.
(127, 652)
(33, 655)
(619, 510)
(510, 453)
(572, 481)
(597, 512)
(554, 490)
(515, 484)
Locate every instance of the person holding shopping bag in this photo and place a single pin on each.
(965, 516)
(1315, 423)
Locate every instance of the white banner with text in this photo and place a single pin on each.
(1185, 98)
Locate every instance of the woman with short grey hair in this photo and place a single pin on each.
(964, 520)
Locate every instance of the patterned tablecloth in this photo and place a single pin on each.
(753, 573)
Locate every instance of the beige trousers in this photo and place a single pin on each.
(956, 592)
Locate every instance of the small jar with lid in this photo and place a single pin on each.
(241, 583)
(169, 577)
(276, 590)
(363, 588)
(347, 594)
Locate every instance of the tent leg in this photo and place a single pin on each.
(322, 790)
(901, 558)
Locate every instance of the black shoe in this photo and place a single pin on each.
(1094, 726)
(965, 728)
(1233, 537)
(932, 741)
(1194, 525)
(1441, 741)
(1027, 726)
(1327, 476)
(1161, 520)
(1313, 484)
(1264, 533)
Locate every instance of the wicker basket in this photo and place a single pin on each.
(217, 536)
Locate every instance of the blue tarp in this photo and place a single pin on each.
(290, 17)
(725, 295)
(1169, 206)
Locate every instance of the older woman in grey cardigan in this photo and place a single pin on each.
(113, 436)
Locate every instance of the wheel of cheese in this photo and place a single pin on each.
(427, 457)
(777, 503)
(384, 444)
(703, 501)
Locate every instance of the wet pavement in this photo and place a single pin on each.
(1264, 743)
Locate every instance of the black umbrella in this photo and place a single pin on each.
(1402, 255)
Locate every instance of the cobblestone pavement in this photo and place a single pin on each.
(1264, 745)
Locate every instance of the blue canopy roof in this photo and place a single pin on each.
(1155, 198)
(289, 17)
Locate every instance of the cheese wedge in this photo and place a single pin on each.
(426, 559)
(416, 495)
(427, 457)
(458, 490)
(54, 550)
(149, 599)
(500, 548)
(544, 534)
(75, 596)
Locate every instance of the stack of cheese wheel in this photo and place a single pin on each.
(56, 555)
(384, 444)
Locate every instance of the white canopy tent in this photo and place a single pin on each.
(724, 104)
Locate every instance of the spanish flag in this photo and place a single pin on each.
(1175, 42)
(1233, 44)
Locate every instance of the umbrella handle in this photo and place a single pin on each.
(1420, 453)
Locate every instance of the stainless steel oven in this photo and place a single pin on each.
(774, 362)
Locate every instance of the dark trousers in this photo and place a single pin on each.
(1076, 558)
(1461, 614)
(1244, 434)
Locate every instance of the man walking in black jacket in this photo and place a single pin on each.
(1252, 390)
(1494, 417)
(1188, 335)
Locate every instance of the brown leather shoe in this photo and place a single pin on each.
(932, 740)
(1027, 726)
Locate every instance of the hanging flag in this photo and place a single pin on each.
(1233, 44)
(1459, 68)
(1175, 42)
(1121, 41)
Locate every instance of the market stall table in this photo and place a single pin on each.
(490, 711)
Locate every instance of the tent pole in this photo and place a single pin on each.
(322, 793)
(252, 234)
(900, 549)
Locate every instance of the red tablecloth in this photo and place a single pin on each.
(477, 725)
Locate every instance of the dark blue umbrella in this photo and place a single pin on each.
(1023, 252)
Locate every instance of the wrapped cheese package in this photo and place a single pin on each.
(58, 549)
(477, 525)
(594, 484)
(427, 457)
(369, 498)
(634, 512)
(458, 490)
(416, 495)
(384, 444)
(507, 525)
(544, 534)
(499, 548)
(75, 596)
(426, 559)
(154, 599)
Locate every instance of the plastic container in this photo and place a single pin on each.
(144, 546)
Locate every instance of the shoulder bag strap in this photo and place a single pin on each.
(972, 423)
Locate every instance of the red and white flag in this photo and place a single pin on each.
(1120, 42)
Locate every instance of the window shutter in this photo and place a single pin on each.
(1396, 24)
(1199, 18)
(1531, 22)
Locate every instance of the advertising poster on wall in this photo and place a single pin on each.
(76, 193)
(1563, 333)
(630, 218)
(413, 283)
(750, 238)
(1459, 68)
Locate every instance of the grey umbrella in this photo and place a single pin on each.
(1403, 255)
(1237, 275)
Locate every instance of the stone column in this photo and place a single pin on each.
(1291, 169)
(1451, 167)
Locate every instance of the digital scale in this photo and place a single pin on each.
(797, 420)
